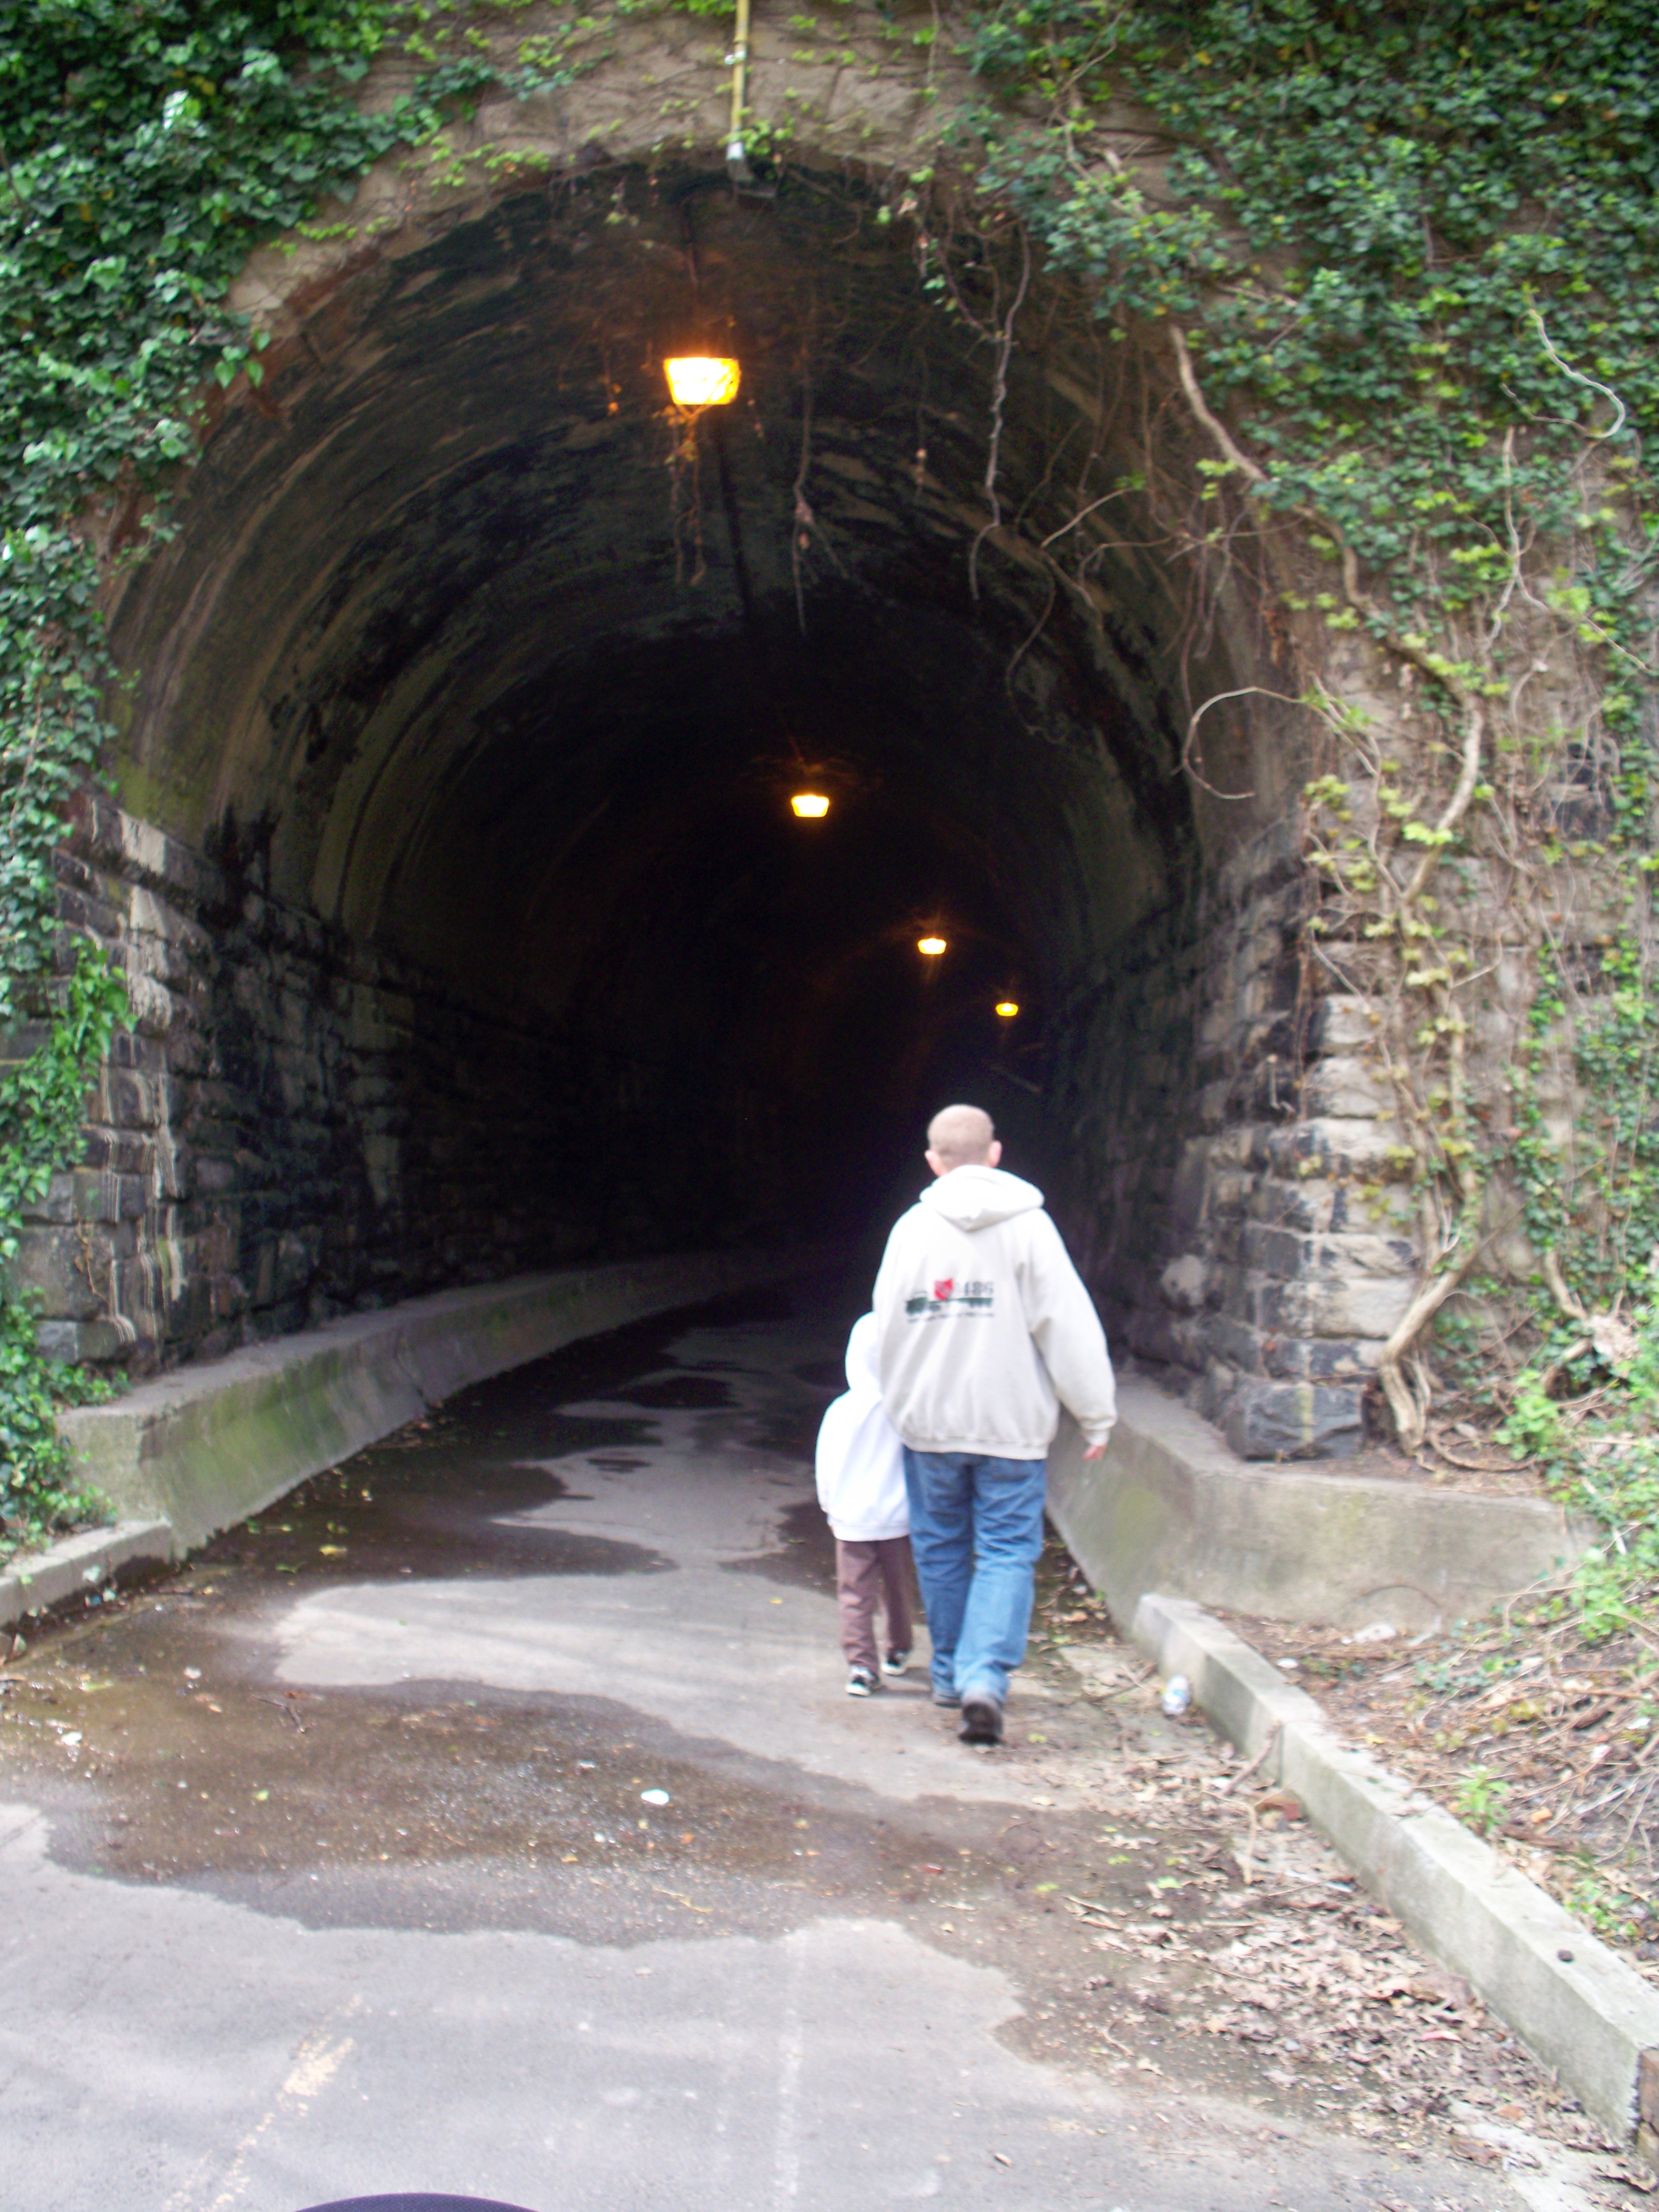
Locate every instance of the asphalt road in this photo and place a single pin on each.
(490, 1818)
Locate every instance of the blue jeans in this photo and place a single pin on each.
(976, 1532)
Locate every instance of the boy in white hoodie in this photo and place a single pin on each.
(984, 1330)
(861, 1467)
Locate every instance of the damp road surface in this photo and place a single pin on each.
(490, 1817)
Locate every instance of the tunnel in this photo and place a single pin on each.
(451, 854)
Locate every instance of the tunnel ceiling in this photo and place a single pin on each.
(464, 648)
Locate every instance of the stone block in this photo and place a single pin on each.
(1184, 1282)
(1356, 1306)
(103, 1196)
(56, 1204)
(52, 1261)
(1234, 1341)
(132, 1099)
(23, 1042)
(1294, 1420)
(1333, 1146)
(1320, 1359)
(84, 1343)
(1343, 1023)
(1346, 1087)
(1352, 1253)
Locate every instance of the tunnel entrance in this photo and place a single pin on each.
(470, 928)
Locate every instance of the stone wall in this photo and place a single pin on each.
(1228, 1135)
(450, 485)
(299, 1125)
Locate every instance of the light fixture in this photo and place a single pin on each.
(810, 805)
(933, 946)
(701, 380)
(1007, 1008)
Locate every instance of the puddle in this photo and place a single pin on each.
(679, 1394)
(382, 1515)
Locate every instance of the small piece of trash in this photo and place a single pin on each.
(1290, 1666)
(259, 1795)
(586, 1765)
(192, 1674)
(71, 1740)
(654, 1797)
(1002, 2158)
(1178, 1696)
(94, 1575)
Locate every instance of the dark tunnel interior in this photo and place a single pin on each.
(466, 702)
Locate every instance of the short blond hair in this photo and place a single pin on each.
(963, 1135)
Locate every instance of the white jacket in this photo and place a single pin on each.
(984, 1326)
(860, 1460)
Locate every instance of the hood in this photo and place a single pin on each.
(863, 1373)
(978, 1198)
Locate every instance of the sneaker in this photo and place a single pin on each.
(947, 1698)
(861, 1683)
(982, 1718)
(897, 1662)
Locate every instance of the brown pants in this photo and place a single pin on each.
(861, 1571)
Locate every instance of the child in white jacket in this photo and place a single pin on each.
(860, 1465)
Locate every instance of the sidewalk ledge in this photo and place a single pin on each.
(205, 1446)
(80, 1564)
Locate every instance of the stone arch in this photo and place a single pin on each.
(469, 929)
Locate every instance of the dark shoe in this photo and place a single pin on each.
(896, 1660)
(861, 1683)
(982, 1718)
(948, 1699)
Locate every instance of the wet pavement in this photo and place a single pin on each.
(490, 1816)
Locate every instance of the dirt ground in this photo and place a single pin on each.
(1547, 1746)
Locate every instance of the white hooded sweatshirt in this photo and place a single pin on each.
(984, 1326)
(860, 1460)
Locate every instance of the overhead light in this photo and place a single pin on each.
(1007, 1008)
(933, 946)
(702, 380)
(810, 805)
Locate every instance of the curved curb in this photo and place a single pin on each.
(203, 1446)
(80, 1564)
(1577, 2008)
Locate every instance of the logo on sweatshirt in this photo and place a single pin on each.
(949, 1297)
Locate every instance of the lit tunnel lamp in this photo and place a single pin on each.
(1006, 1009)
(931, 947)
(809, 805)
(699, 380)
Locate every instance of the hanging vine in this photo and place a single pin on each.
(146, 146)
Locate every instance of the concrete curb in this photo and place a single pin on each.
(1576, 2005)
(1171, 1508)
(205, 1446)
(80, 1564)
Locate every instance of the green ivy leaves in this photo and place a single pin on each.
(145, 147)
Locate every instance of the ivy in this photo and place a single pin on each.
(146, 147)
(1413, 254)
(1400, 232)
